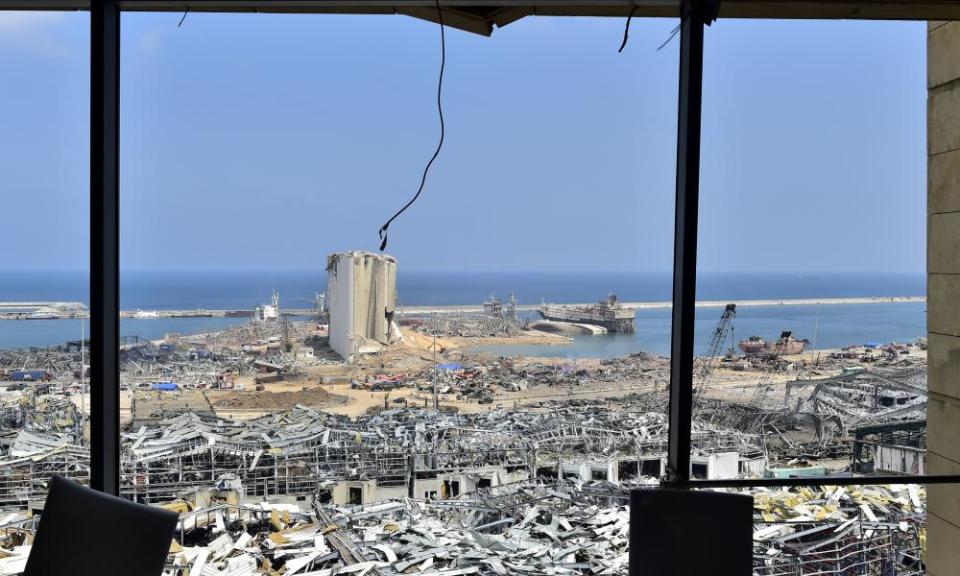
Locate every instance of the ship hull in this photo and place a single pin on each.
(623, 325)
(777, 348)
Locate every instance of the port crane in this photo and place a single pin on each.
(717, 340)
(319, 305)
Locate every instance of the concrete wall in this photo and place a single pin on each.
(586, 470)
(753, 467)
(719, 465)
(341, 491)
(900, 460)
(723, 465)
(943, 294)
(340, 304)
(371, 492)
(361, 298)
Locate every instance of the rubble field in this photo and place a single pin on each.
(526, 469)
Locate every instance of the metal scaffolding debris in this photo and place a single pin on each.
(537, 526)
(535, 488)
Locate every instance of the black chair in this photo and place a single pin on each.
(690, 533)
(87, 533)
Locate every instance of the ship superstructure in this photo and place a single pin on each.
(268, 312)
(608, 313)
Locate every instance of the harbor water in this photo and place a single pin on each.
(826, 326)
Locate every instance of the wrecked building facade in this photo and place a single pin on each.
(411, 453)
(362, 299)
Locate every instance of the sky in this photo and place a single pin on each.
(264, 142)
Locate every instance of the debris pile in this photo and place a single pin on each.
(531, 528)
(840, 530)
(473, 377)
(303, 452)
(466, 325)
(495, 319)
(270, 351)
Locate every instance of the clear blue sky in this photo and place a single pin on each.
(266, 141)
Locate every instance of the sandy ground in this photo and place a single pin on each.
(82, 401)
(737, 386)
(526, 337)
(314, 387)
(418, 341)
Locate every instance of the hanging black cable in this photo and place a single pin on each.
(426, 170)
(626, 31)
(184, 17)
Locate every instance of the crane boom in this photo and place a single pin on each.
(717, 340)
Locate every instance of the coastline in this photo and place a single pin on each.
(842, 321)
(788, 302)
(76, 311)
(660, 305)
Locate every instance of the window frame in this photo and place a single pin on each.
(105, 445)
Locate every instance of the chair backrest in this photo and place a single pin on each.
(690, 533)
(83, 532)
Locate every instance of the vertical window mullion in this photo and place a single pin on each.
(685, 240)
(104, 246)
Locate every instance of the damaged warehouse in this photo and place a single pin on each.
(495, 493)
(410, 453)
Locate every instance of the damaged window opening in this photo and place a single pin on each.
(349, 416)
(355, 496)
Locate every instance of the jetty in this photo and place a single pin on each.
(77, 310)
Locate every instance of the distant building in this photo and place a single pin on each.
(268, 312)
(361, 299)
(305, 353)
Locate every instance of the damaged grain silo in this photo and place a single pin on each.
(362, 296)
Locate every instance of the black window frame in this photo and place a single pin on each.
(105, 17)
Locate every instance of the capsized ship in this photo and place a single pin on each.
(609, 313)
(785, 344)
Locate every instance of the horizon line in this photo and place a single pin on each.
(799, 274)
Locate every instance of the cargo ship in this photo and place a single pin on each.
(609, 313)
(785, 344)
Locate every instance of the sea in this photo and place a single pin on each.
(825, 326)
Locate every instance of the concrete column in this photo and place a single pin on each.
(943, 293)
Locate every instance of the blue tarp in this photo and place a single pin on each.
(164, 386)
(450, 367)
(24, 375)
(873, 344)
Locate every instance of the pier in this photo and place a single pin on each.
(664, 305)
(76, 310)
